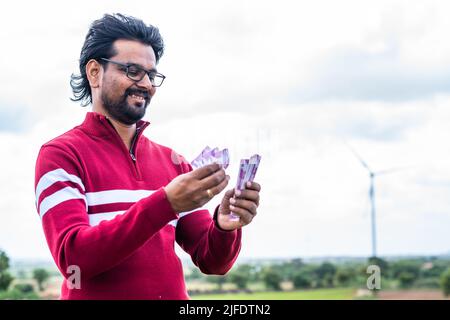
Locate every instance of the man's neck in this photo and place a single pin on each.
(125, 131)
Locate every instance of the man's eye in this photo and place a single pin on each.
(133, 71)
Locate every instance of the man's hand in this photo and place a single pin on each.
(192, 190)
(242, 203)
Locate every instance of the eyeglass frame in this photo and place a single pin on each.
(147, 72)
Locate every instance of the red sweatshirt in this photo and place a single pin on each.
(103, 209)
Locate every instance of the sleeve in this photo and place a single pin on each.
(212, 249)
(62, 206)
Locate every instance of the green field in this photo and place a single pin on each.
(320, 294)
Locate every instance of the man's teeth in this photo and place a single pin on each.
(137, 97)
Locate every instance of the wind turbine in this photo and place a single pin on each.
(372, 175)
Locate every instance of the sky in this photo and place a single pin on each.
(296, 81)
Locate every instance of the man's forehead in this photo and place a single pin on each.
(130, 51)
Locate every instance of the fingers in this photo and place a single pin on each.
(253, 186)
(248, 195)
(247, 205)
(205, 171)
(221, 186)
(213, 180)
(251, 193)
(245, 215)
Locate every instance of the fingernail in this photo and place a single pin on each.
(249, 184)
(232, 201)
(238, 193)
(231, 207)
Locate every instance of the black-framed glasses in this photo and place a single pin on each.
(137, 73)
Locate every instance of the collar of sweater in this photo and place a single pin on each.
(96, 124)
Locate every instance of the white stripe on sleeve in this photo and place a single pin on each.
(183, 214)
(96, 218)
(51, 177)
(65, 194)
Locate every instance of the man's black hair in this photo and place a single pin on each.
(99, 44)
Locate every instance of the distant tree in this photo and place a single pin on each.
(445, 282)
(15, 294)
(410, 266)
(40, 275)
(272, 278)
(5, 276)
(292, 268)
(297, 262)
(289, 268)
(302, 280)
(406, 279)
(325, 268)
(381, 263)
(195, 273)
(239, 279)
(4, 261)
(325, 273)
(242, 275)
(435, 270)
(5, 280)
(344, 276)
(24, 288)
(218, 280)
(328, 280)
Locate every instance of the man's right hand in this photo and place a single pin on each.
(189, 191)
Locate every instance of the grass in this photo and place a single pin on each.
(319, 294)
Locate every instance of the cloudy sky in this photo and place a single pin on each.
(295, 81)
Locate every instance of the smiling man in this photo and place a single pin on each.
(112, 202)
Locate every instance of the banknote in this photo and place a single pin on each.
(247, 167)
(247, 172)
(208, 156)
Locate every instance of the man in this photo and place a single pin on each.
(111, 201)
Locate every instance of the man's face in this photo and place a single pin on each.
(126, 100)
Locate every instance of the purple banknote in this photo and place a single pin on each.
(247, 167)
(247, 172)
(208, 156)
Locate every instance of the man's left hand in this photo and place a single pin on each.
(242, 203)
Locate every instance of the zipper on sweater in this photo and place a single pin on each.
(133, 142)
(131, 151)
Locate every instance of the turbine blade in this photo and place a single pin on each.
(363, 163)
(390, 170)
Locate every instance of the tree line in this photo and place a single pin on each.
(395, 274)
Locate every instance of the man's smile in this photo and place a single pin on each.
(138, 96)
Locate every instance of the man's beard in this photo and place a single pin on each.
(120, 110)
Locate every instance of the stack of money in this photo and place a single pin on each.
(247, 172)
(247, 167)
(208, 156)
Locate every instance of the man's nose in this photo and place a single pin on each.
(146, 83)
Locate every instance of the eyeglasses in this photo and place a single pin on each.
(136, 73)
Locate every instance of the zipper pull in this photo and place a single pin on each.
(133, 142)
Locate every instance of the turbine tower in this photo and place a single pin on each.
(372, 175)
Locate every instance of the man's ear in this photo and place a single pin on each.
(94, 73)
